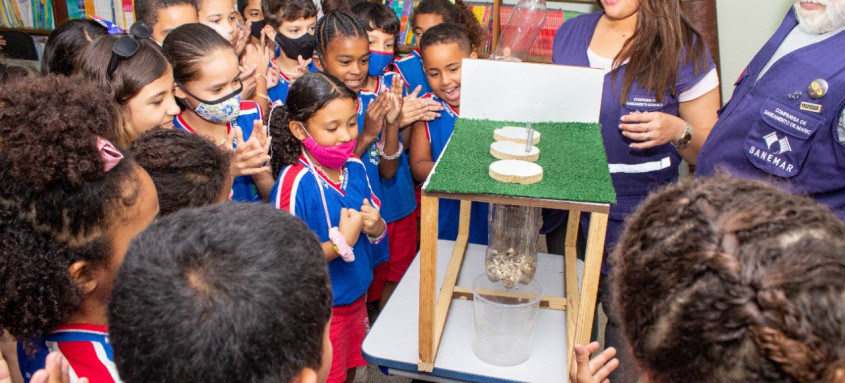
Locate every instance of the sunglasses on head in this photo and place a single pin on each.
(217, 101)
(128, 45)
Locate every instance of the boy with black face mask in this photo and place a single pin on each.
(292, 23)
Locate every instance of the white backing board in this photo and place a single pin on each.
(528, 92)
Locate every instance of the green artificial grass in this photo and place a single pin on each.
(572, 156)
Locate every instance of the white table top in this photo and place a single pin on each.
(393, 339)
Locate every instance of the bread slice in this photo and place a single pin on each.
(516, 171)
(515, 134)
(509, 150)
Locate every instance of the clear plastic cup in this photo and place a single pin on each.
(504, 321)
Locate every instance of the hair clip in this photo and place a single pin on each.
(112, 29)
(110, 155)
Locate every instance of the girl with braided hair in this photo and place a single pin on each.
(721, 280)
(323, 183)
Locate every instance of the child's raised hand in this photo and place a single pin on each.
(250, 156)
(274, 73)
(374, 118)
(243, 38)
(301, 68)
(584, 370)
(257, 55)
(350, 225)
(394, 101)
(418, 109)
(373, 225)
(248, 81)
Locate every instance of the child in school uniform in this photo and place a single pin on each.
(142, 85)
(71, 207)
(254, 309)
(427, 14)
(324, 184)
(444, 46)
(205, 68)
(291, 23)
(188, 170)
(397, 191)
(163, 16)
(343, 52)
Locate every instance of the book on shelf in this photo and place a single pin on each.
(484, 13)
(38, 14)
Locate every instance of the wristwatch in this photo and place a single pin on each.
(685, 139)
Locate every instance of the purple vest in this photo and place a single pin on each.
(571, 43)
(769, 128)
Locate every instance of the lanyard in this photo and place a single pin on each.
(313, 171)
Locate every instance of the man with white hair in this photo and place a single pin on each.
(785, 120)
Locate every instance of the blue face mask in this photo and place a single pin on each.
(379, 61)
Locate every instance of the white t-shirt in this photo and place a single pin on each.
(707, 83)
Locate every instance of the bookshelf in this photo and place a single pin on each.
(60, 15)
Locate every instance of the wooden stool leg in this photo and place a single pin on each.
(571, 272)
(444, 300)
(590, 283)
(428, 280)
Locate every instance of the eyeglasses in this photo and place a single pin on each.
(217, 101)
(128, 45)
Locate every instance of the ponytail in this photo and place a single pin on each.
(284, 147)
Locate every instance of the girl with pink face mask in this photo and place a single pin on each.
(322, 182)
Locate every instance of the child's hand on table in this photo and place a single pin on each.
(373, 225)
(350, 225)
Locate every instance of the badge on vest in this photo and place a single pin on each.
(810, 107)
(817, 89)
(780, 139)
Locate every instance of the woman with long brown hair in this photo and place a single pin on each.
(659, 102)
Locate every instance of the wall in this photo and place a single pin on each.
(744, 26)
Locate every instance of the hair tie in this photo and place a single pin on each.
(112, 29)
(110, 155)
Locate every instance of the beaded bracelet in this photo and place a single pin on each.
(376, 240)
(380, 146)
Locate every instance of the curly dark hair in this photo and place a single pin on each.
(12, 72)
(721, 280)
(307, 96)
(187, 170)
(456, 13)
(253, 309)
(56, 201)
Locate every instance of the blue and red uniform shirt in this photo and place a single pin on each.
(438, 132)
(297, 190)
(410, 68)
(243, 188)
(86, 348)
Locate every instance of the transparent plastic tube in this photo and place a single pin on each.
(523, 26)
